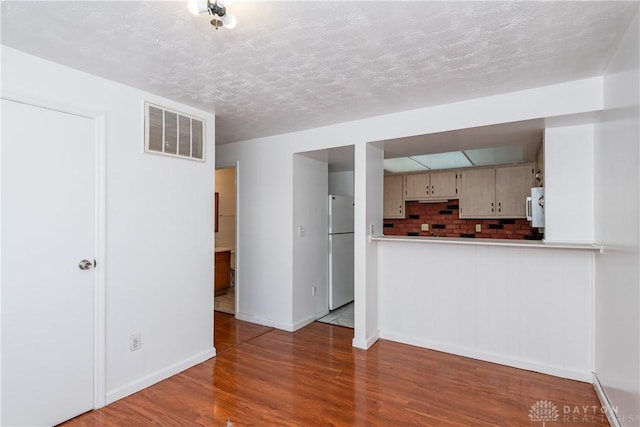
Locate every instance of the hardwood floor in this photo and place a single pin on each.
(314, 377)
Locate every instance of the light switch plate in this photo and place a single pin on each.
(425, 227)
(478, 228)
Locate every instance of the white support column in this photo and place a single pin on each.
(368, 177)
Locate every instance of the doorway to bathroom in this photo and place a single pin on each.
(225, 223)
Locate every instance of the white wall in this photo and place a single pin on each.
(617, 271)
(523, 307)
(341, 183)
(159, 256)
(311, 249)
(265, 235)
(569, 184)
(266, 187)
(225, 185)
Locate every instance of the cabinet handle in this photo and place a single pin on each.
(432, 190)
(499, 207)
(492, 207)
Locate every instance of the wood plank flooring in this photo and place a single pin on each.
(314, 377)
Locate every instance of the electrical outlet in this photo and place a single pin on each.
(425, 227)
(135, 342)
(313, 291)
(478, 228)
(302, 231)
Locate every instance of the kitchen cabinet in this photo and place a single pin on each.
(495, 192)
(444, 184)
(513, 185)
(222, 279)
(477, 193)
(393, 205)
(416, 186)
(539, 174)
(421, 186)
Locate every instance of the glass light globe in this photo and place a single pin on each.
(197, 6)
(229, 21)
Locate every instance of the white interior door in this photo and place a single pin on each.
(48, 227)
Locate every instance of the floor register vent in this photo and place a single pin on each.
(172, 133)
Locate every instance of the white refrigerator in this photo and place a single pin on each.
(340, 251)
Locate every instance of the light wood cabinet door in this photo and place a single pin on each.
(443, 184)
(538, 177)
(416, 186)
(513, 185)
(477, 193)
(393, 204)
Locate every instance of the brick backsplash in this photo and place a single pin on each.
(444, 221)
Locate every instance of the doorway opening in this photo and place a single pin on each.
(225, 224)
(324, 237)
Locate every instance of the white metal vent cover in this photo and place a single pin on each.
(172, 133)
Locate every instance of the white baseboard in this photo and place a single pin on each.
(491, 357)
(265, 322)
(304, 322)
(158, 376)
(366, 343)
(604, 401)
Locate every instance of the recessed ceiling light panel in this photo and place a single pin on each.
(402, 165)
(451, 160)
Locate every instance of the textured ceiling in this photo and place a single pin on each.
(297, 65)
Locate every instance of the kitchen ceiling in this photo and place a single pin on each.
(516, 153)
(289, 66)
(479, 146)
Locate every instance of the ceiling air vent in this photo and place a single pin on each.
(172, 133)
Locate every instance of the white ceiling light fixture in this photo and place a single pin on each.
(217, 9)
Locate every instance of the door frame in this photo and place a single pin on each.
(236, 166)
(99, 303)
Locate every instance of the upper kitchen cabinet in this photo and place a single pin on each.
(421, 186)
(495, 192)
(513, 185)
(393, 205)
(477, 193)
(444, 184)
(539, 174)
(416, 186)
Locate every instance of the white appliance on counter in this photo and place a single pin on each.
(535, 207)
(340, 251)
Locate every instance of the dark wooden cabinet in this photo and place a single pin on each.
(222, 279)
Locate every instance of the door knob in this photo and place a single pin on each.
(85, 264)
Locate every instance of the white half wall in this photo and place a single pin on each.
(310, 240)
(617, 213)
(159, 227)
(525, 307)
(569, 184)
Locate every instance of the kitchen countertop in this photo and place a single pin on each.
(488, 242)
